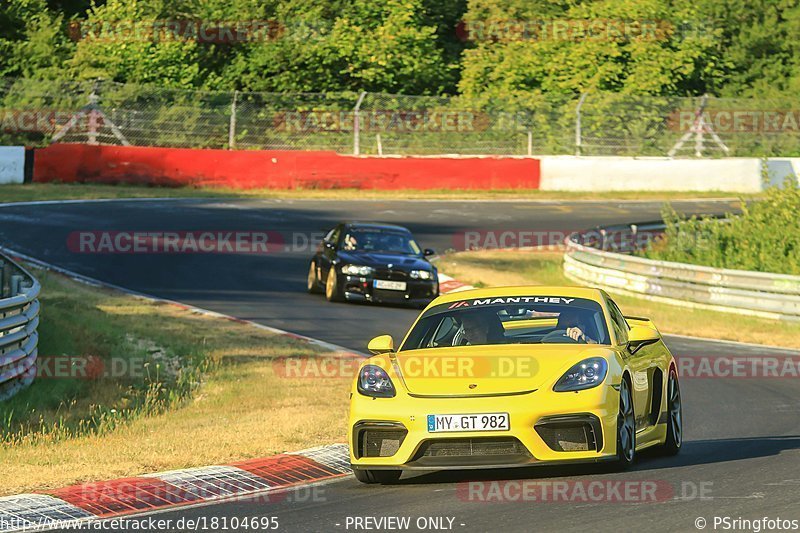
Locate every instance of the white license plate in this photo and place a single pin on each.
(477, 422)
(390, 285)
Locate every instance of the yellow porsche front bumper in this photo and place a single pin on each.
(544, 427)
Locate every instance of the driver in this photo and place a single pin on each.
(481, 328)
(576, 325)
(350, 243)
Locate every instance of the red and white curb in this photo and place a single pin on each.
(448, 284)
(153, 492)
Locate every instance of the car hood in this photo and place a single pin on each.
(381, 259)
(489, 370)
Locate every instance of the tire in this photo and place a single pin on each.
(674, 441)
(332, 291)
(312, 281)
(372, 477)
(626, 428)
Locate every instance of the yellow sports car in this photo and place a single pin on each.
(514, 376)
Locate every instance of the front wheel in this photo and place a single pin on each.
(626, 428)
(674, 440)
(377, 476)
(332, 291)
(312, 283)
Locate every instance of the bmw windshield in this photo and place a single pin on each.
(379, 240)
(510, 320)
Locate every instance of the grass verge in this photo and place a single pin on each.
(165, 388)
(498, 268)
(63, 191)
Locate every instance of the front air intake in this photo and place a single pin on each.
(571, 433)
(472, 447)
(380, 442)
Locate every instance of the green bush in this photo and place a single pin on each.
(765, 237)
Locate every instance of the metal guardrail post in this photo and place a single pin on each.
(15, 285)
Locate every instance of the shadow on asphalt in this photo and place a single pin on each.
(699, 452)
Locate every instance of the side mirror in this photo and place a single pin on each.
(427, 252)
(641, 335)
(381, 344)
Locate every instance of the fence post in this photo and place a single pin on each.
(232, 125)
(530, 143)
(578, 135)
(93, 116)
(356, 120)
(379, 143)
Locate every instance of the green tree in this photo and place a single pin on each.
(33, 42)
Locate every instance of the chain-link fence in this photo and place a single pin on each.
(36, 112)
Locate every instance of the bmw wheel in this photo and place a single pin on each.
(332, 291)
(626, 428)
(312, 284)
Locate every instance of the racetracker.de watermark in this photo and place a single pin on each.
(200, 31)
(723, 121)
(582, 491)
(188, 242)
(576, 30)
(738, 367)
(412, 366)
(33, 120)
(516, 238)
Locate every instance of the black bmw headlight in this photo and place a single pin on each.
(421, 274)
(357, 270)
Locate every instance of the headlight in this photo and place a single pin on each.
(421, 274)
(585, 375)
(374, 381)
(357, 270)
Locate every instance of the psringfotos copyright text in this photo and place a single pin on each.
(756, 525)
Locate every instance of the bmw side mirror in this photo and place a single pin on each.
(427, 252)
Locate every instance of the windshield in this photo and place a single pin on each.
(510, 320)
(377, 240)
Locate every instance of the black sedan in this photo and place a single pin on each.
(372, 262)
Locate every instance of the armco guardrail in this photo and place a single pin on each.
(601, 257)
(19, 318)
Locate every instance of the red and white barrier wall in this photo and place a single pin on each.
(289, 169)
(297, 169)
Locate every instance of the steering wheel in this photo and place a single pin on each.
(558, 336)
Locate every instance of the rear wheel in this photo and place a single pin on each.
(332, 291)
(312, 284)
(377, 476)
(672, 445)
(626, 428)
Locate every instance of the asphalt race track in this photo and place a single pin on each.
(741, 435)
